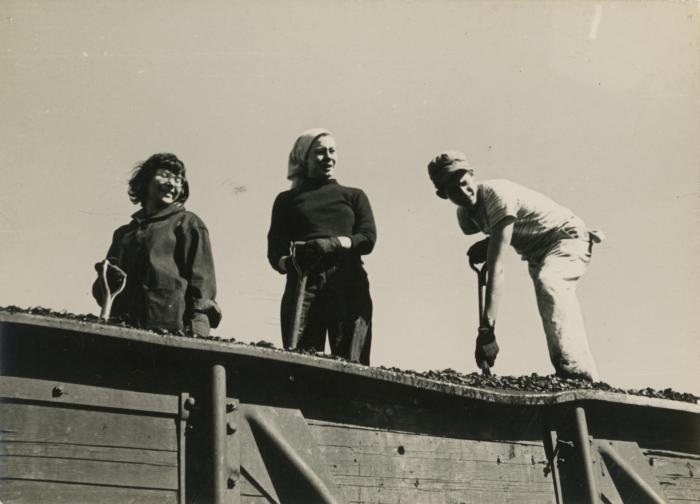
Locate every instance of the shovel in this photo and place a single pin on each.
(302, 276)
(481, 275)
(108, 295)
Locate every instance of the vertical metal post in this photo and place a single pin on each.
(586, 458)
(218, 415)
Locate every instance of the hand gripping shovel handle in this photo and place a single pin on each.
(109, 296)
(481, 275)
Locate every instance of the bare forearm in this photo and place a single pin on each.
(494, 288)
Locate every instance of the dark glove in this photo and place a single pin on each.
(115, 275)
(486, 346)
(199, 326)
(324, 246)
(477, 252)
(305, 256)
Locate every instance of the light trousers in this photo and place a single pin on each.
(555, 277)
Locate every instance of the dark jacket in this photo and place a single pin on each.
(170, 272)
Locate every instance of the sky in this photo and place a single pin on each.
(595, 104)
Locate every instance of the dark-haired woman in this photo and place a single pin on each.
(165, 253)
(336, 225)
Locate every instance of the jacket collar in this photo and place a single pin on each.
(167, 211)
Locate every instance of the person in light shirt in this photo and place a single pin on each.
(556, 244)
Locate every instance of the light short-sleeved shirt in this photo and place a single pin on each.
(539, 221)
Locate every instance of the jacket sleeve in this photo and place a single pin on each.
(201, 289)
(279, 236)
(364, 233)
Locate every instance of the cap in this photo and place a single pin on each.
(444, 167)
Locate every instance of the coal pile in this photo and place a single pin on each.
(532, 383)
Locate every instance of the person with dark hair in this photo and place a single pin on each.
(555, 242)
(330, 227)
(165, 253)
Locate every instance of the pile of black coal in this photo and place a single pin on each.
(531, 383)
(543, 384)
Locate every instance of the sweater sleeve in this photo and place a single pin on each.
(279, 237)
(199, 261)
(364, 233)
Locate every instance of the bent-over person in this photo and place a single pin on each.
(555, 243)
(332, 226)
(165, 253)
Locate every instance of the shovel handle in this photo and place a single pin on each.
(481, 275)
(109, 296)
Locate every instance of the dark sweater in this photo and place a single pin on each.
(320, 210)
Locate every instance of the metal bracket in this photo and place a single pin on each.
(187, 404)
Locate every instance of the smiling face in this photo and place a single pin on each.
(163, 189)
(463, 191)
(320, 163)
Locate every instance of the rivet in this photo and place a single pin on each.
(190, 403)
(230, 428)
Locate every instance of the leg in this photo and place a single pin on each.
(313, 325)
(350, 332)
(555, 280)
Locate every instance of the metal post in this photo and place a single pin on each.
(218, 414)
(586, 459)
(610, 453)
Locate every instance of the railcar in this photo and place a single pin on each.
(93, 412)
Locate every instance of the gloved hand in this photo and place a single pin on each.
(115, 275)
(199, 325)
(324, 246)
(486, 346)
(305, 256)
(477, 253)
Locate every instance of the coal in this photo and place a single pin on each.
(530, 383)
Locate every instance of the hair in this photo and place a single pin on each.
(144, 171)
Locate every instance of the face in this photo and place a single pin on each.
(164, 188)
(463, 191)
(320, 163)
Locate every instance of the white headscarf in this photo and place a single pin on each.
(296, 167)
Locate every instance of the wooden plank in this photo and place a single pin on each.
(678, 475)
(73, 393)
(89, 472)
(374, 465)
(33, 492)
(96, 453)
(36, 423)
(380, 490)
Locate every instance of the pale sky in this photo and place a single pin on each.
(596, 104)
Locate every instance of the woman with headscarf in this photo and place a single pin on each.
(331, 227)
(165, 253)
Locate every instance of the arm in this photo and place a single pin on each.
(498, 244)
(202, 309)
(278, 237)
(364, 233)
